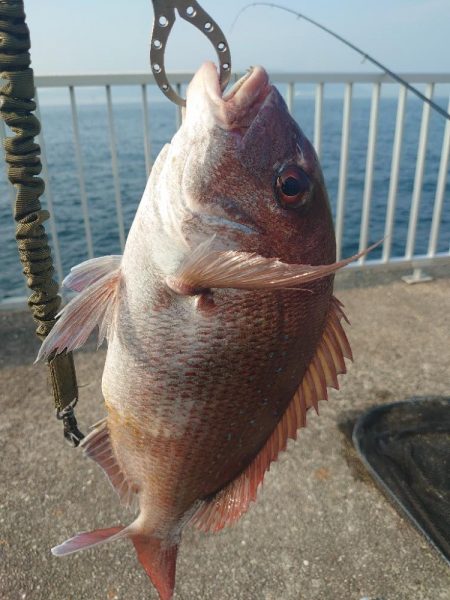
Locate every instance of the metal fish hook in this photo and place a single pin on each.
(192, 12)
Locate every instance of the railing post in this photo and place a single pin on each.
(440, 190)
(342, 186)
(318, 110)
(84, 204)
(370, 161)
(418, 275)
(115, 168)
(418, 177)
(49, 197)
(11, 192)
(147, 146)
(395, 170)
(179, 109)
(290, 97)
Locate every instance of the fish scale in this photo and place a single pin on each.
(221, 392)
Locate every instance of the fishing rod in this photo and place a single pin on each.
(366, 56)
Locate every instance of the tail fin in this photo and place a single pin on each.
(88, 539)
(156, 556)
(159, 561)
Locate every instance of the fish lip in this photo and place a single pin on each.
(236, 109)
(252, 84)
(270, 97)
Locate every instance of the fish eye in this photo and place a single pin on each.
(292, 187)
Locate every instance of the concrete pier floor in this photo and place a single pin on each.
(320, 530)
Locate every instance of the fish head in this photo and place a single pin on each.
(246, 173)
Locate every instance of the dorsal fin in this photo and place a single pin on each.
(97, 445)
(327, 363)
(95, 305)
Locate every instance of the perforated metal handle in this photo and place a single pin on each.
(192, 12)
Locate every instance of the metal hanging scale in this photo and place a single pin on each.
(192, 12)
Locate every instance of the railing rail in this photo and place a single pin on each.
(183, 77)
(290, 80)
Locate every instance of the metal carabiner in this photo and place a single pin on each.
(192, 12)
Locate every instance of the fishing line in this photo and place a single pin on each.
(366, 56)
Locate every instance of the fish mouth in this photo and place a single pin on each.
(235, 110)
(251, 89)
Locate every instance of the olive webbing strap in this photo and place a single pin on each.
(22, 156)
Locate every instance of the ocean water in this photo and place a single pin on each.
(93, 124)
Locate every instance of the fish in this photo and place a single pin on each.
(221, 324)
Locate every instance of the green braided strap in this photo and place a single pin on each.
(24, 166)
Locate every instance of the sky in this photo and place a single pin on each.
(102, 36)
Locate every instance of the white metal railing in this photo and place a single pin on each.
(290, 80)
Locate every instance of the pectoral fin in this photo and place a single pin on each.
(205, 269)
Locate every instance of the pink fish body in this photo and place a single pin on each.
(221, 324)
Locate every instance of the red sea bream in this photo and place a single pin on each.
(221, 322)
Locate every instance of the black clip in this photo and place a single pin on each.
(72, 434)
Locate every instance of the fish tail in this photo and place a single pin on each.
(158, 557)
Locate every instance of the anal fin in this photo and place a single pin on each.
(97, 445)
(227, 506)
